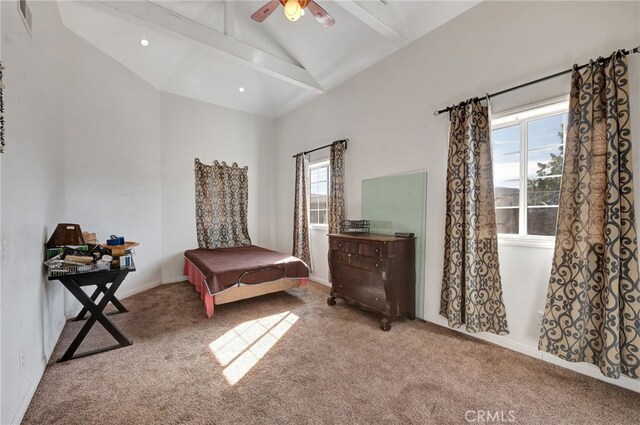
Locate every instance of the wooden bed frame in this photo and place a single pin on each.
(238, 292)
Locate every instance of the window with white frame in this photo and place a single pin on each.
(319, 190)
(528, 154)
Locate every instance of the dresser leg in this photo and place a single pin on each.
(385, 325)
(331, 301)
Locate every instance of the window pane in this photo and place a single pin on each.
(545, 137)
(322, 174)
(507, 220)
(507, 196)
(313, 216)
(322, 217)
(506, 170)
(505, 140)
(547, 131)
(313, 175)
(542, 221)
(506, 178)
(322, 202)
(314, 202)
(545, 161)
(322, 188)
(315, 189)
(543, 191)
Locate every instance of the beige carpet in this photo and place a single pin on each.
(289, 358)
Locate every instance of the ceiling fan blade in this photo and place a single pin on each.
(320, 14)
(263, 13)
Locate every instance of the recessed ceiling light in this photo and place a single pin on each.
(241, 89)
(144, 42)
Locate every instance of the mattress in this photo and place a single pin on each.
(223, 268)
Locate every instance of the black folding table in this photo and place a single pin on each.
(101, 279)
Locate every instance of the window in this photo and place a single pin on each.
(528, 152)
(319, 184)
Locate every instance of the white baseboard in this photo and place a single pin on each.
(26, 400)
(33, 385)
(174, 279)
(582, 368)
(319, 279)
(126, 293)
(51, 344)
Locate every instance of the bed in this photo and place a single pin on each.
(224, 275)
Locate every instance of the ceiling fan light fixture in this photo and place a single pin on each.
(292, 10)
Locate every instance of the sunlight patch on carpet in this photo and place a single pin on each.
(242, 347)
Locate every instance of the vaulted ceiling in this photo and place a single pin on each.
(207, 50)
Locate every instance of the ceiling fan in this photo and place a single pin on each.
(293, 9)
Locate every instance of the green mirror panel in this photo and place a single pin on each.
(399, 204)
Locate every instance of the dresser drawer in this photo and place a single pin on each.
(344, 246)
(371, 264)
(372, 296)
(347, 273)
(372, 249)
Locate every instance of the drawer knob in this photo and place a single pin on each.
(377, 265)
(377, 299)
(377, 250)
(339, 245)
(340, 286)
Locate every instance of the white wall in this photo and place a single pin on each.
(387, 113)
(90, 142)
(32, 199)
(137, 147)
(191, 129)
(112, 157)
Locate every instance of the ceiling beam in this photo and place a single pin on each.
(363, 11)
(164, 20)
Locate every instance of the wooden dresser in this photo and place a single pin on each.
(374, 272)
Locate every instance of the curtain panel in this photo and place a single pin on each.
(336, 213)
(222, 198)
(301, 248)
(592, 312)
(336, 187)
(471, 285)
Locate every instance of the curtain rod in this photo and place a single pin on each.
(539, 80)
(345, 141)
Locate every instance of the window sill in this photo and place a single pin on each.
(324, 227)
(545, 242)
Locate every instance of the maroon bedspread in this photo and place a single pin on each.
(224, 267)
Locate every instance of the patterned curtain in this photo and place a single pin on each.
(336, 187)
(592, 312)
(471, 287)
(221, 205)
(301, 211)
